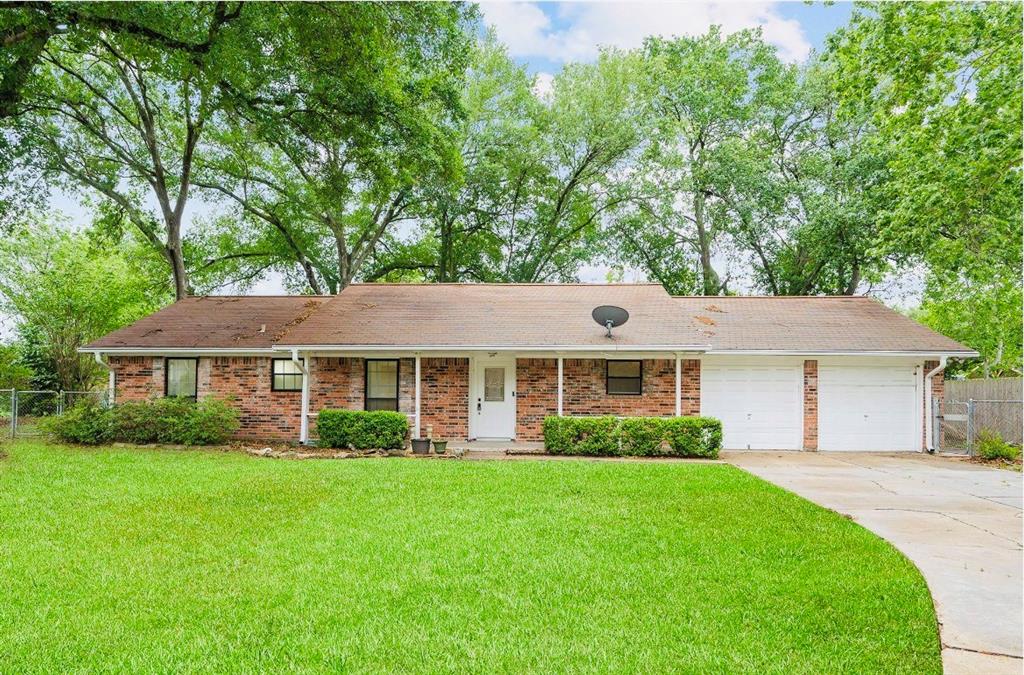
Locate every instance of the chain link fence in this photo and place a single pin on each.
(21, 411)
(968, 413)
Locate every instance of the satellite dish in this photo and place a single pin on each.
(610, 317)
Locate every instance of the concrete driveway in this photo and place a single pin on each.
(959, 522)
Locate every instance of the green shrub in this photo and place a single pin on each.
(212, 421)
(180, 421)
(87, 422)
(362, 430)
(581, 435)
(991, 446)
(634, 436)
(694, 436)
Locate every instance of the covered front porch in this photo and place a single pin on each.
(494, 394)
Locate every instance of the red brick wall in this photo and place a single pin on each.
(691, 387)
(137, 378)
(263, 413)
(810, 405)
(336, 383)
(584, 391)
(339, 383)
(939, 394)
(536, 396)
(444, 398)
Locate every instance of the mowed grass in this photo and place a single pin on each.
(120, 559)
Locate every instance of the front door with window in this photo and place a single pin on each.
(494, 400)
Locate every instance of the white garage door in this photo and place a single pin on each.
(868, 408)
(760, 406)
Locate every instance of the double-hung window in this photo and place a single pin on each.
(624, 377)
(180, 377)
(381, 384)
(285, 376)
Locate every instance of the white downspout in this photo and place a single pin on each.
(304, 408)
(929, 442)
(111, 390)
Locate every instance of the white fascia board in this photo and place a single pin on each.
(494, 348)
(178, 351)
(805, 352)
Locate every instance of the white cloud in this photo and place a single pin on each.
(543, 84)
(583, 27)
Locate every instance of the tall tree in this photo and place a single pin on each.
(120, 115)
(704, 96)
(66, 288)
(797, 193)
(539, 170)
(941, 84)
(328, 138)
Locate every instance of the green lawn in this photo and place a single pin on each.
(146, 560)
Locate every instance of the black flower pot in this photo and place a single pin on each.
(420, 446)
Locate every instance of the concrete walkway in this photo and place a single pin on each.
(960, 523)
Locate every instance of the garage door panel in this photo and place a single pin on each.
(868, 408)
(760, 407)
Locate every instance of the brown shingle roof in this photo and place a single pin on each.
(215, 322)
(467, 315)
(529, 315)
(809, 324)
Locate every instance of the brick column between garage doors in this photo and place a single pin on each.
(810, 405)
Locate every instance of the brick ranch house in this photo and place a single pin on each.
(491, 361)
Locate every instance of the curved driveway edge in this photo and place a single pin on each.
(960, 523)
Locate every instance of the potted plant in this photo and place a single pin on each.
(420, 446)
(440, 446)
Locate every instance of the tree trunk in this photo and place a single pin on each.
(174, 256)
(712, 284)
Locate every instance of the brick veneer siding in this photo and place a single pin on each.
(691, 387)
(263, 413)
(444, 398)
(536, 396)
(810, 405)
(584, 391)
(444, 402)
(137, 378)
(938, 394)
(339, 383)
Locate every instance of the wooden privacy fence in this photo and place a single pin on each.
(976, 405)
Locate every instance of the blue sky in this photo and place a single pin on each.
(546, 35)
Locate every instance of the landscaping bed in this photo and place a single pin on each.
(125, 559)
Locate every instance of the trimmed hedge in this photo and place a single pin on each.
(178, 421)
(633, 436)
(361, 429)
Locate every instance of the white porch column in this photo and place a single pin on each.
(679, 386)
(304, 406)
(559, 386)
(417, 404)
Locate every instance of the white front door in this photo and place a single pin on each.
(493, 401)
(760, 405)
(869, 408)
